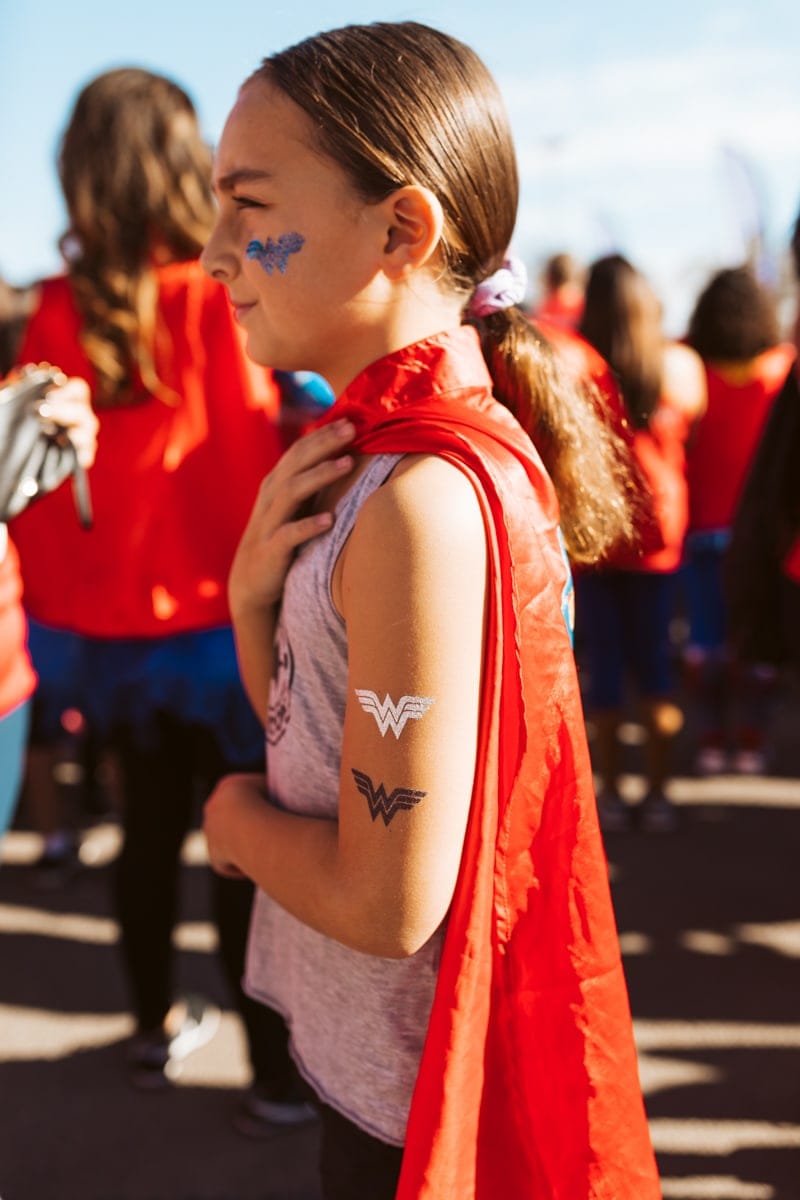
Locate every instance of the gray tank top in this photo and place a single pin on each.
(357, 1022)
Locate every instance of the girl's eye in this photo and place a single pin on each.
(247, 202)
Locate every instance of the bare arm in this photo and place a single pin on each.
(412, 591)
(685, 379)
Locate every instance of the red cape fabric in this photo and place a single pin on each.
(173, 483)
(725, 439)
(528, 1085)
(17, 679)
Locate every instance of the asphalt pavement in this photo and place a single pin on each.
(710, 931)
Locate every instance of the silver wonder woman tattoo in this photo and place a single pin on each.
(381, 805)
(389, 715)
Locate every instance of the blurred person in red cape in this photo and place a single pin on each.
(65, 407)
(129, 622)
(762, 566)
(562, 300)
(734, 328)
(627, 603)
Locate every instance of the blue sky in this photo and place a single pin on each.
(666, 134)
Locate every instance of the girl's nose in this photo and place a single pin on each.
(215, 260)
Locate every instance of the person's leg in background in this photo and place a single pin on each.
(707, 657)
(276, 1095)
(59, 658)
(649, 613)
(13, 740)
(598, 616)
(157, 806)
(753, 689)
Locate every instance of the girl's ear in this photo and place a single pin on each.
(414, 220)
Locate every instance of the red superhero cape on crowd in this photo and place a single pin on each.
(528, 1086)
(17, 679)
(164, 469)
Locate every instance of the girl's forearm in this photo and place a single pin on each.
(294, 859)
(299, 862)
(253, 631)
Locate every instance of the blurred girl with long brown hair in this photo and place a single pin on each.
(130, 621)
(627, 603)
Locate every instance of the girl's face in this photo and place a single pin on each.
(297, 248)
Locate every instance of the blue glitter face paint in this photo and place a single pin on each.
(275, 254)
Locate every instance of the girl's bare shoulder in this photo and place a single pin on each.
(685, 378)
(427, 493)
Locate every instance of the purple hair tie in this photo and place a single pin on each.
(505, 287)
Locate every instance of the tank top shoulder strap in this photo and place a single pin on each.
(376, 473)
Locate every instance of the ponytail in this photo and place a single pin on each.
(587, 461)
(394, 104)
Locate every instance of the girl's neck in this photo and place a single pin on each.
(419, 313)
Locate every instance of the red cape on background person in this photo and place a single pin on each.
(165, 469)
(528, 1085)
(17, 679)
(584, 364)
(725, 439)
(563, 307)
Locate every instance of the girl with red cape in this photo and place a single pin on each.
(433, 913)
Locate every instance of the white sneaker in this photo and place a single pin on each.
(155, 1058)
(711, 760)
(657, 814)
(614, 814)
(749, 762)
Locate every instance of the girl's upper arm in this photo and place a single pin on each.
(413, 585)
(685, 379)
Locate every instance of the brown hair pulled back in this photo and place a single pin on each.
(734, 319)
(136, 175)
(400, 104)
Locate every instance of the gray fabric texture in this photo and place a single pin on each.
(357, 1022)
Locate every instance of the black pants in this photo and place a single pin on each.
(354, 1165)
(163, 784)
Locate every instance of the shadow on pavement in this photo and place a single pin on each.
(72, 1127)
(711, 938)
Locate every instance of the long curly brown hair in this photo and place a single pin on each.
(136, 177)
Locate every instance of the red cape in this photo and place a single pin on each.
(724, 441)
(528, 1085)
(17, 679)
(173, 484)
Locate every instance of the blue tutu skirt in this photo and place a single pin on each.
(130, 682)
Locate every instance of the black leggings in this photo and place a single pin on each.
(353, 1164)
(162, 785)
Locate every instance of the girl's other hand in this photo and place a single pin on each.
(68, 406)
(227, 806)
(276, 527)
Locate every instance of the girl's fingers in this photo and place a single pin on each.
(317, 446)
(315, 478)
(68, 406)
(337, 433)
(279, 522)
(280, 498)
(297, 532)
